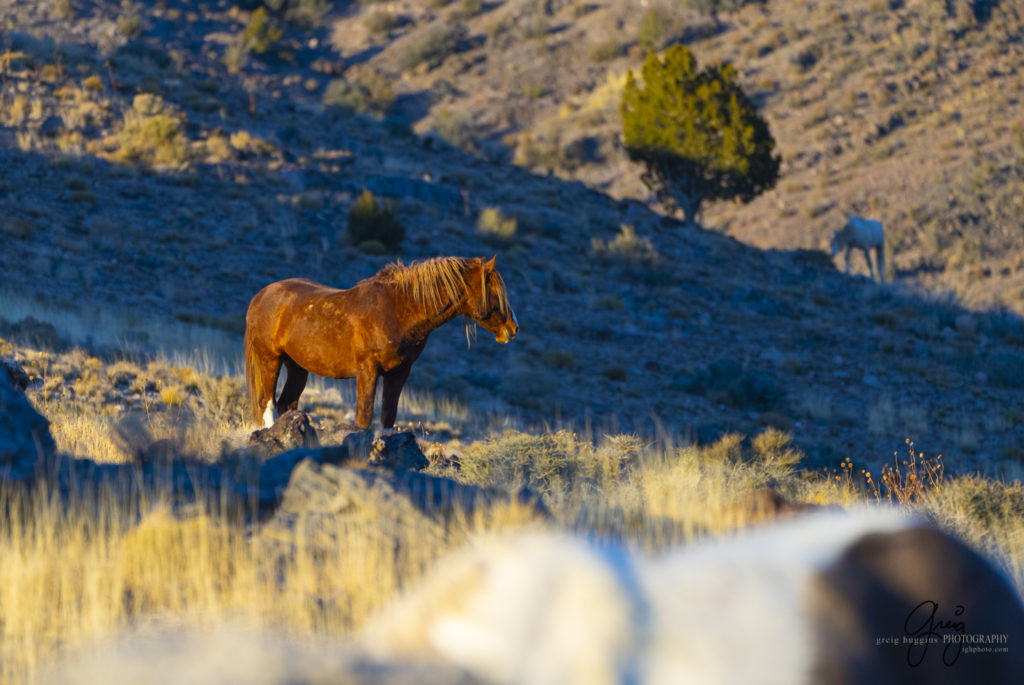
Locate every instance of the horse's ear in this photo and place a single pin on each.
(489, 264)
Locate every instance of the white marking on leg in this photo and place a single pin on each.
(270, 415)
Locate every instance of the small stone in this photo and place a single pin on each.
(290, 431)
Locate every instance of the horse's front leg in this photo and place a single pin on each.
(366, 390)
(394, 381)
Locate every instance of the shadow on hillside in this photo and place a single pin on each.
(363, 56)
(199, 243)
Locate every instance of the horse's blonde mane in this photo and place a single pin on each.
(432, 282)
(438, 281)
(502, 293)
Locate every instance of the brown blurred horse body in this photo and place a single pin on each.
(377, 328)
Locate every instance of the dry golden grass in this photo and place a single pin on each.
(77, 574)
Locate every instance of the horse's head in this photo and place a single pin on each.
(837, 242)
(488, 302)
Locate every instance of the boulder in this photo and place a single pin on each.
(51, 126)
(327, 502)
(25, 440)
(291, 430)
(272, 476)
(15, 375)
(392, 451)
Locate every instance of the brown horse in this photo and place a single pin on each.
(376, 328)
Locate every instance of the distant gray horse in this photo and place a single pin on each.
(863, 234)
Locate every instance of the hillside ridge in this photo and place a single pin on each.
(629, 322)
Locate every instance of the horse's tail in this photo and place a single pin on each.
(253, 370)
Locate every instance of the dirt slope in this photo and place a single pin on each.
(182, 207)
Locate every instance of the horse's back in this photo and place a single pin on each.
(868, 232)
(317, 326)
(270, 308)
(283, 294)
(296, 286)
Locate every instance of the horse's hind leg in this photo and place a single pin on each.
(880, 260)
(867, 258)
(294, 384)
(269, 369)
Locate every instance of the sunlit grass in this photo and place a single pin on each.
(77, 574)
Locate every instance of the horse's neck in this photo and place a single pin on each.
(431, 318)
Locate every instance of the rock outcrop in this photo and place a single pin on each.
(16, 375)
(26, 445)
(325, 501)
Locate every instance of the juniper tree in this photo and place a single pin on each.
(697, 133)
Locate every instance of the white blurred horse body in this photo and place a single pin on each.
(864, 234)
(829, 598)
(798, 602)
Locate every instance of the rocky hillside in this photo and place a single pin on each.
(167, 160)
(905, 111)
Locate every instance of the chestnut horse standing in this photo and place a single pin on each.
(376, 328)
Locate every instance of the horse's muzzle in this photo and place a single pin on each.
(507, 333)
(509, 330)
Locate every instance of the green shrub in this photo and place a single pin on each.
(773, 447)
(467, 9)
(380, 21)
(432, 46)
(728, 382)
(16, 227)
(307, 13)
(552, 464)
(655, 26)
(696, 133)
(714, 7)
(369, 221)
(606, 50)
(495, 227)
(152, 134)
(93, 84)
(456, 129)
(130, 23)
(534, 27)
(626, 245)
(369, 93)
(559, 359)
(260, 33)
(65, 10)
(235, 56)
